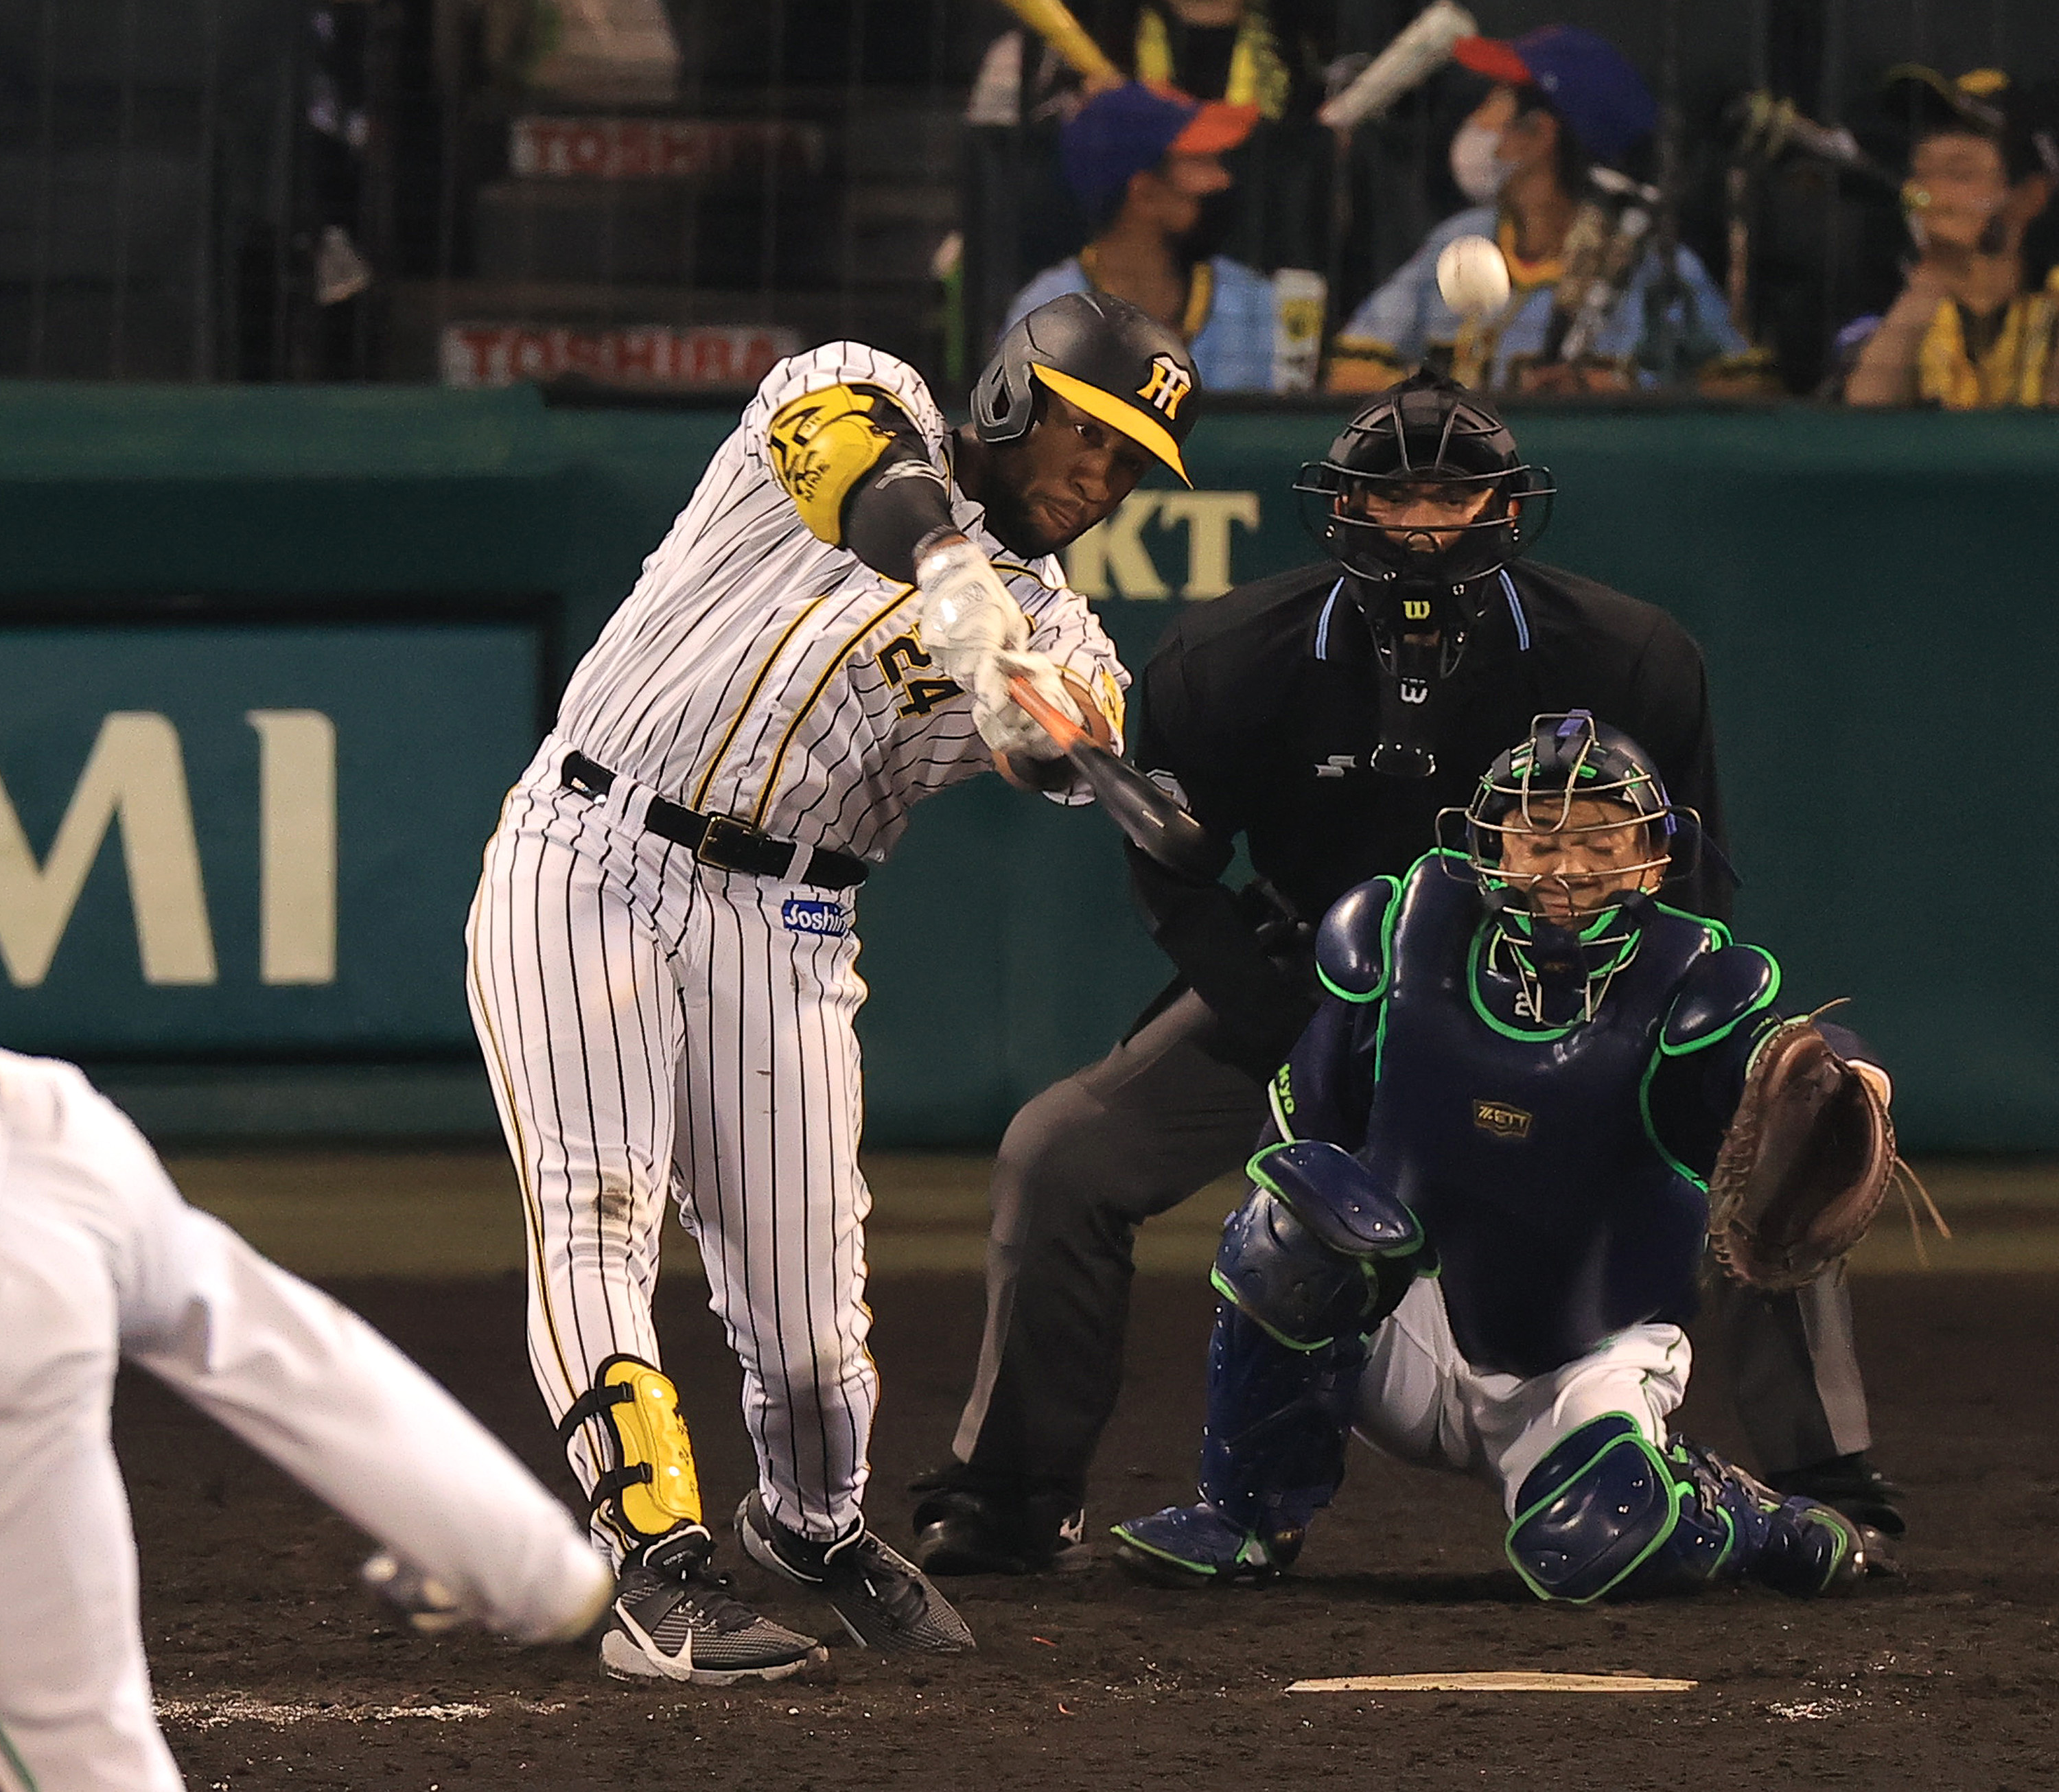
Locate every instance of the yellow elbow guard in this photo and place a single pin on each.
(652, 1488)
(822, 444)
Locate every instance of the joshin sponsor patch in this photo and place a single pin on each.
(803, 916)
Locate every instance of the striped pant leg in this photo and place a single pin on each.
(770, 1110)
(578, 1013)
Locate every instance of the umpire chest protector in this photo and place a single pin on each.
(1526, 1149)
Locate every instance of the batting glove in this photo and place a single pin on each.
(1003, 723)
(978, 636)
(967, 613)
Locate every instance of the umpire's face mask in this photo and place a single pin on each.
(1425, 520)
(1419, 622)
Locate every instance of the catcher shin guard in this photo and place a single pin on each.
(652, 1489)
(1272, 1454)
(1607, 1513)
(1308, 1267)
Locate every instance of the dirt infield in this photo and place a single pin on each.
(273, 1674)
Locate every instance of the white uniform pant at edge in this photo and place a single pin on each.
(100, 1260)
(1419, 1400)
(655, 1025)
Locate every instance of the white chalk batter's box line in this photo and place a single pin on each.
(236, 1707)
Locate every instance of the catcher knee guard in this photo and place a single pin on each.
(1319, 1252)
(1597, 1508)
(1608, 1513)
(652, 1488)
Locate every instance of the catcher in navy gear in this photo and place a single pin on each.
(1478, 1229)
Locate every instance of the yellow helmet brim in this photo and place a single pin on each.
(1126, 418)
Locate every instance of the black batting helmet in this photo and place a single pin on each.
(1428, 430)
(1115, 362)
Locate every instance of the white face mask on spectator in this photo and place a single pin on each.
(1475, 164)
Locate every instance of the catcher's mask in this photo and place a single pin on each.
(1421, 588)
(1116, 363)
(1568, 929)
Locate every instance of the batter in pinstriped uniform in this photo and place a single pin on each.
(663, 946)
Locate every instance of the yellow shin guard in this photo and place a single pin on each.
(652, 1488)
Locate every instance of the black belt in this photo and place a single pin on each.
(723, 842)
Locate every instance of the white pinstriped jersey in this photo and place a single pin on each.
(757, 671)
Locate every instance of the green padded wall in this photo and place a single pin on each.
(1872, 592)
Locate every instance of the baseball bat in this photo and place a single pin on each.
(1155, 824)
(1052, 20)
(1422, 47)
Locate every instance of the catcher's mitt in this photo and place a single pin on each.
(1804, 1167)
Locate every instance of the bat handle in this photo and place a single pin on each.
(1045, 713)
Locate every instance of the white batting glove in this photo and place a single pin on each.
(1003, 723)
(979, 638)
(967, 613)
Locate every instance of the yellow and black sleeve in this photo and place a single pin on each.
(860, 475)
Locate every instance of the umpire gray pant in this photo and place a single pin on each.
(1088, 1161)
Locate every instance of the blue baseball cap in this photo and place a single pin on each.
(1125, 130)
(1588, 81)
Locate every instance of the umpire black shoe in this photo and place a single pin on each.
(1853, 1486)
(885, 1602)
(972, 1530)
(673, 1618)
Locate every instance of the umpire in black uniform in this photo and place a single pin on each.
(1327, 714)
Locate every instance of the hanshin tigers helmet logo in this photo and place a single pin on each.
(1169, 384)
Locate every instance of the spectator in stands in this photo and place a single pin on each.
(1971, 327)
(1144, 165)
(1268, 54)
(1564, 102)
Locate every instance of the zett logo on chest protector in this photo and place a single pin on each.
(1500, 1121)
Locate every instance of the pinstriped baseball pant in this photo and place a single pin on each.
(654, 1027)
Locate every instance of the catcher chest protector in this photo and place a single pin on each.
(1101, 353)
(1524, 1149)
(653, 1489)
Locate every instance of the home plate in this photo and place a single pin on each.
(1493, 1683)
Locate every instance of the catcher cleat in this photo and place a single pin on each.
(674, 1619)
(963, 1529)
(884, 1600)
(1794, 1546)
(1853, 1486)
(1197, 1546)
(1608, 1514)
